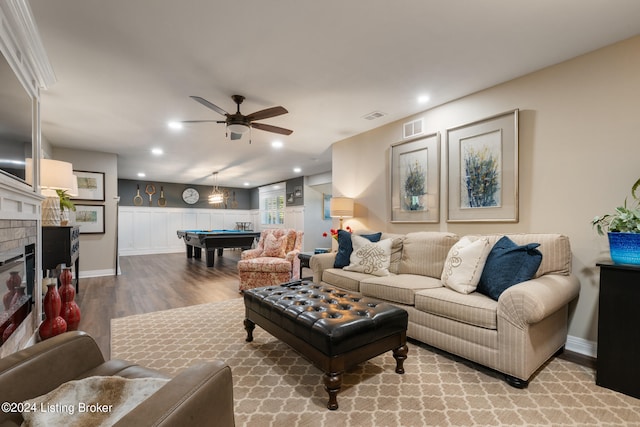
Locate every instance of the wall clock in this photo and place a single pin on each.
(190, 195)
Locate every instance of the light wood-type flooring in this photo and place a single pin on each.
(150, 283)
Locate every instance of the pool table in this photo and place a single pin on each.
(210, 240)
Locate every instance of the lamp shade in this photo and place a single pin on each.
(56, 175)
(341, 207)
(74, 190)
(238, 128)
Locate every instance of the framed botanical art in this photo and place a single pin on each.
(90, 219)
(482, 160)
(415, 180)
(90, 186)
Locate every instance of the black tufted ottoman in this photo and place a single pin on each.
(335, 330)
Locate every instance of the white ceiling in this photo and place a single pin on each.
(125, 68)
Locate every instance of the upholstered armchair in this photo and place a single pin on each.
(273, 261)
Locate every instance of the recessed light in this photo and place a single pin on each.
(175, 125)
(277, 144)
(297, 170)
(141, 174)
(157, 151)
(246, 184)
(423, 99)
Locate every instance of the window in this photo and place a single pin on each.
(272, 204)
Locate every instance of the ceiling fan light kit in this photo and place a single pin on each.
(237, 123)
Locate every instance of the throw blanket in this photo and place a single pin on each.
(93, 401)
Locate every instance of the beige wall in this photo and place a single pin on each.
(97, 251)
(579, 155)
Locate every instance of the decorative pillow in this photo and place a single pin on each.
(96, 401)
(464, 264)
(508, 264)
(368, 257)
(345, 247)
(274, 246)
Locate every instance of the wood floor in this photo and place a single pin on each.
(152, 283)
(160, 282)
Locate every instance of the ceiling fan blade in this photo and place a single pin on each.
(270, 128)
(235, 136)
(209, 105)
(267, 113)
(202, 121)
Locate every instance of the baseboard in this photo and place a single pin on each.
(97, 273)
(150, 251)
(582, 346)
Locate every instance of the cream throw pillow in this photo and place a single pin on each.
(274, 246)
(464, 264)
(370, 258)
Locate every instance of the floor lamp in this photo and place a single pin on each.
(341, 207)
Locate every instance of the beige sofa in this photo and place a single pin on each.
(514, 335)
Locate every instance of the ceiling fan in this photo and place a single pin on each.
(238, 123)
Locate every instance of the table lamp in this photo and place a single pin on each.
(341, 207)
(54, 175)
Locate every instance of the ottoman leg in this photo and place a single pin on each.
(400, 354)
(249, 326)
(332, 383)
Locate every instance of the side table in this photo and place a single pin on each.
(305, 259)
(619, 329)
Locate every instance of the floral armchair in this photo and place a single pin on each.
(273, 261)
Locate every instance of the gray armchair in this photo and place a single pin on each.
(200, 395)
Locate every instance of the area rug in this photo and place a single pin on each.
(274, 386)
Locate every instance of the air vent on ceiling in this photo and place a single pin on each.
(413, 128)
(374, 115)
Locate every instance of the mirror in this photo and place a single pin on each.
(15, 123)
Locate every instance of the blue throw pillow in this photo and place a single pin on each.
(508, 264)
(345, 247)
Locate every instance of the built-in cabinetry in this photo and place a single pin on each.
(61, 245)
(619, 329)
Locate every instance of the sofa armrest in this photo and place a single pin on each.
(38, 369)
(319, 263)
(532, 301)
(200, 395)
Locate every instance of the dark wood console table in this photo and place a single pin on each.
(61, 245)
(619, 329)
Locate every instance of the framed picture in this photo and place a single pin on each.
(90, 219)
(483, 170)
(326, 206)
(90, 186)
(297, 191)
(415, 180)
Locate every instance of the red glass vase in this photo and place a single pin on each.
(70, 311)
(53, 324)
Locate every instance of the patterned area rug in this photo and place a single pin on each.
(274, 386)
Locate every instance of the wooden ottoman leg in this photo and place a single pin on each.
(332, 383)
(400, 354)
(249, 326)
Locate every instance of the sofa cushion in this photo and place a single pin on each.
(474, 309)
(348, 280)
(508, 264)
(345, 247)
(464, 264)
(368, 257)
(424, 252)
(396, 250)
(397, 288)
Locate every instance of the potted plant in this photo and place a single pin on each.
(623, 229)
(65, 205)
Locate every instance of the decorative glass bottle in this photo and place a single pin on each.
(53, 324)
(70, 311)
